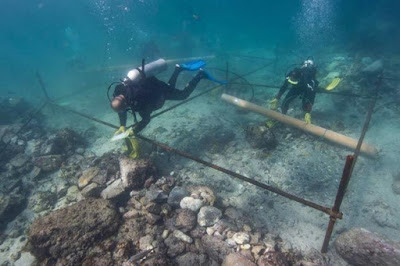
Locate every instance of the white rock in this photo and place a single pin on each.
(191, 203)
(210, 231)
(241, 238)
(180, 235)
(165, 234)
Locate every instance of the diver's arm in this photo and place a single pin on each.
(122, 118)
(145, 115)
(283, 89)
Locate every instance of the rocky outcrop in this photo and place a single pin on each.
(67, 234)
(358, 246)
(260, 137)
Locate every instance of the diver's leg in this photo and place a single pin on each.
(176, 94)
(292, 94)
(174, 76)
(308, 101)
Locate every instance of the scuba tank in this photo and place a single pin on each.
(148, 70)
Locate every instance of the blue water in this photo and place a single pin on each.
(59, 38)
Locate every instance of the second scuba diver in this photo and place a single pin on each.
(303, 84)
(143, 93)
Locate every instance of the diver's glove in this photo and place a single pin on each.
(120, 130)
(132, 144)
(273, 104)
(307, 118)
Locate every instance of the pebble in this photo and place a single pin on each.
(191, 203)
(246, 228)
(241, 238)
(210, 231)
(180, 235)
(230, 242)
(165, 234)
(245, 247)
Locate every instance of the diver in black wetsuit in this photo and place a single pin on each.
(146, 96)
(303, 84)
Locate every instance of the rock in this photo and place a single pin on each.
(87, 176)
(133, 229)
(198, 232)
(153, 208)
(192, 259)
(131, 214)
(152, 218)
(185, 220)
(208, 216)
(272, 258)
(19, 160)
(65, 235)
(42, 201)
(92, 191)
(145, 242)
(374, 67)
(358, 246)
(26, 259)
(176, 195)
(203, 193)
(191, 203)
(135, 172)
(241, 238)
(182, 236)
(257, 251)
(396, 186)
(156, 195)
(260, 137)
(10, 206)
(215, 248)
(175, 246)
(245, 247)
(72, 193)
(237, 259)
(49, 163)
(114, 190)
(165, 234)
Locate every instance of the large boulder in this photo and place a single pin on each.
(135, 172)
(359, 246)
(260, 137)
(67, 234)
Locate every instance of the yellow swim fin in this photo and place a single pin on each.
(333, 84)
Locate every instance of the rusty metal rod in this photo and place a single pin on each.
(42, 85)
(219, 168)
(338, 201)
(84, 115)
(348, 170)
(245, 179)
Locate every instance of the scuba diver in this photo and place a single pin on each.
(303, 84)
(143, 93)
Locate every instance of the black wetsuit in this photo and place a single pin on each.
(306, 89)
(150, 94)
